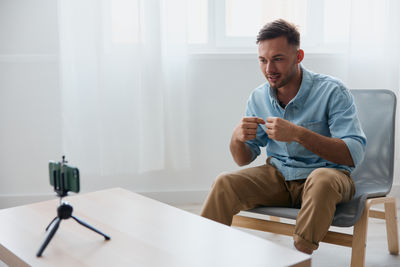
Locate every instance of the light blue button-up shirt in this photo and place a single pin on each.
(322, 105)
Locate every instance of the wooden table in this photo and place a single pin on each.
(144, 232)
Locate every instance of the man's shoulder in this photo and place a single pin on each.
(328, 85)
(325, 80)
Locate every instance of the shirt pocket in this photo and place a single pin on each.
(295, 150)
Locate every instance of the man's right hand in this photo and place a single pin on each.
(246, 129)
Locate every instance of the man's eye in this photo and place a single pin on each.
(263, 61)
(278, 59)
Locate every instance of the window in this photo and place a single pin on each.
(241, 20)
(233, 24)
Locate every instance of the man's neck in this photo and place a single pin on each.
(289, 91)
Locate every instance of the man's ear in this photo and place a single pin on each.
(300, 55)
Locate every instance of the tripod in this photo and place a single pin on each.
(64, 211)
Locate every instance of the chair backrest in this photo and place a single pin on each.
(376, 111)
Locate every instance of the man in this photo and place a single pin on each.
(313, 138)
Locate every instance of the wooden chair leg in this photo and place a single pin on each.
(274, 218)
(391, 227)
(360, 239)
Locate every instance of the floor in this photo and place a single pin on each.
(327, 255)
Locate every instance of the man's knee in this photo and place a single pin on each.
(224, 181)
(320, 175)
(321, 181)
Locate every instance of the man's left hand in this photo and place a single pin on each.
(280, 129)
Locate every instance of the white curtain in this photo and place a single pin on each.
(374, 44)
(123, 79)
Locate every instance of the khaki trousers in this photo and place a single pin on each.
(265, 186)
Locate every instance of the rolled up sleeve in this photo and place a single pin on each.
(255, 149)
(356, 147)
(344, 124)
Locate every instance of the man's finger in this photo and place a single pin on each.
(260, 121)
(249, 125)
(271, 119)
(269, 125)
(250, 136)
(254, 119)
(251, 131)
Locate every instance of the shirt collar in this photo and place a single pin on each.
(299, 99)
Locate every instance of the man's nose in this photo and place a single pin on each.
(270, 67)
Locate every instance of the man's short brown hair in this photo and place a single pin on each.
(277, 28)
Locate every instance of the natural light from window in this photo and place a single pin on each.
(235, 23)
(245, 18)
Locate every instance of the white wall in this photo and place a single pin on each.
(30, 116)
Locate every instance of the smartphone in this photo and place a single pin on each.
(63, 177)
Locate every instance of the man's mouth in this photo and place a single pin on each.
(273, 77)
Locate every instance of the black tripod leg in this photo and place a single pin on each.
(90, 227)
(51, 223)
(52, 230)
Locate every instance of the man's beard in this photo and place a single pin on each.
(285, 80)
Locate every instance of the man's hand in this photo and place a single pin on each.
(247, 129)
(280, 129)
(244, 131)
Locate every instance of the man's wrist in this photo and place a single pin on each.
(298, 134)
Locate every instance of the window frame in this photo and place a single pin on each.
(218, 42)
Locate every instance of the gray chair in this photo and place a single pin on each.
(373, 180)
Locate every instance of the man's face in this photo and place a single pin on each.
(278, 61)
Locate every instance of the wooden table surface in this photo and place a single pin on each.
(144, 232)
